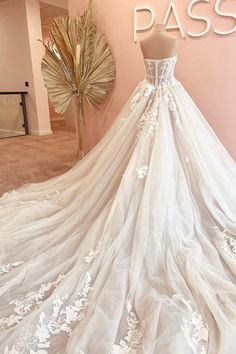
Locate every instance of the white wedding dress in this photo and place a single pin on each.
(133, 250)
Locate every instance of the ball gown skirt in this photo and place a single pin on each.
(133, 250)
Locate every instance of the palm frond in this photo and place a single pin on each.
(101, 73)
(86, 34)
(58, 79)
(78, 61)
(97, 69)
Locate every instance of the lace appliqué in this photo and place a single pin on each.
(133, 339)
(31, 301)
(6, 268)
(149, 120)
(23, 343)
(194, 329)
(168, 98)
(63, 316)
(93, 253)
(160, 73)
(144, 91)
(60, 320)
(229, 242)
(142, 171)
(11, 351)
(44, 198)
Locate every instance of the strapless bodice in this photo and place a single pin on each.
(160, 71)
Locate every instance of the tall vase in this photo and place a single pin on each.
(80, 123)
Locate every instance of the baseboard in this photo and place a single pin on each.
(40, 132)
(12, 131)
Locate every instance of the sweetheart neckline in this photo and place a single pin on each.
(161, 59)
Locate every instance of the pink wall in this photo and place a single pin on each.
(206, 66)
(53, 114)
(15, 65)
(20, 58)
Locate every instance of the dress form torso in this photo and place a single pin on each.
(159, 44)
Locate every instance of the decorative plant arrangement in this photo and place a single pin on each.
(78, 63)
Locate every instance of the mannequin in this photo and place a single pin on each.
(159, 44)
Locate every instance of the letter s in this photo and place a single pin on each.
(198, 18)
(224, 14)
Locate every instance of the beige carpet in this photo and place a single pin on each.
(34, 159)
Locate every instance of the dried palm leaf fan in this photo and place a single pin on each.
(78, 62)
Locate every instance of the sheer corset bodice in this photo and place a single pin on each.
(160, 72)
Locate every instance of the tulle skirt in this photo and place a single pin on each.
(133, 250)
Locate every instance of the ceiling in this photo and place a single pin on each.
(48, 12)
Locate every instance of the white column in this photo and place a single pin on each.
(38, 110)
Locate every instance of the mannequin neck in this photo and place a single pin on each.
(159, 27)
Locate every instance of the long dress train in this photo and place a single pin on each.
(133, 250)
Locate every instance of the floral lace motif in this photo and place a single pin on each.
(149, 120)
(148, 123)
(142, 171)
(168, 97)
(194, 329)
(160, 73)
(60, 320)
(33, 201)
(133, 339)
(93, 253)
(44, 198)
(6, 268)
(31, 301)
(229, 242)
(144, 91)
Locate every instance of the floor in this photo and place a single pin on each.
(7, 134)
(30, 158)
